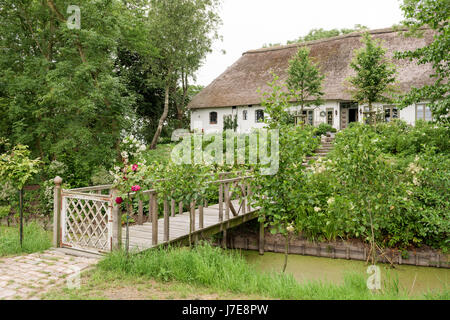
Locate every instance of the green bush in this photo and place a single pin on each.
(371, 171)
(323, 128)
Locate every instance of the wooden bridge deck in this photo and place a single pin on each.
(140, 236)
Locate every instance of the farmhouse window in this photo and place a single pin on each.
(259, 116)
(390, 113)
(244, 115)
(330, 117)
(213, 118)
(309, 116)
(423, 112)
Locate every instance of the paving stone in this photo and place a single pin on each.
(28, 276)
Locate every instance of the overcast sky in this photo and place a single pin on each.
(248, 24)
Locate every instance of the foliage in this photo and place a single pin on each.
(16, 166)
(375, 75)
(387, 171)
(230, 122)
(183, 33)
(62, 96)
(184, 183)
(35, 239)
(317, 34)
(278, 194)
(305, 79)
(323, 129)
(432, 14)
(275, 104)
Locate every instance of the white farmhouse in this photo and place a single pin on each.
(235, 92)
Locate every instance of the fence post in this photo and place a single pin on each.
(116, 241)
(57, 204)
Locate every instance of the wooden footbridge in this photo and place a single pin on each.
(89, 220)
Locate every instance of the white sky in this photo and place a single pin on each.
(248, 24)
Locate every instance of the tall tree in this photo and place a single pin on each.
(435, 15)
(59, 92)
(183, 31)
(375, 74)
(305, 80)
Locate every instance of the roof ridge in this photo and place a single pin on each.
(343, 36)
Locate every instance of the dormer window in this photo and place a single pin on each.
(213, 117)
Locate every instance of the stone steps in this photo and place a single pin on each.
(323, 150)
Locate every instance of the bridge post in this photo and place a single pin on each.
(261, 238)
(57, 204)
(116, 241)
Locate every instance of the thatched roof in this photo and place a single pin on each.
(238, 85)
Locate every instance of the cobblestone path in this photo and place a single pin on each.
(28, 276)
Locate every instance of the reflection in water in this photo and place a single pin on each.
(305, 268)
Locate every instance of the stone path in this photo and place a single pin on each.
(28, 276)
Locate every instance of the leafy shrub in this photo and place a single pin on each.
(370, 173)
(323, 128)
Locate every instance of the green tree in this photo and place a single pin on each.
(375, 75)
(435, 15)
(305, 80)
(183, 32)
(59, 92)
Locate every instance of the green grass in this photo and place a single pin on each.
(228, 271)
(35, 239)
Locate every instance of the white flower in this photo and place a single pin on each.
(317, 209)
(290, 228)
(330, 201)
(416, 181)
(142, 148)
(124, 154)
(409, 192)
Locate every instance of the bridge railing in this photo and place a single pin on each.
(89, 219)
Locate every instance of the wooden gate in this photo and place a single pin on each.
(86, 221)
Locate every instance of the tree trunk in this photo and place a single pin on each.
(162, 119)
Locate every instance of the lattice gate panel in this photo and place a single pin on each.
(86, 223)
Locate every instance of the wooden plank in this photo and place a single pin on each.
(141, 212)
(166, 219)
(227, 201)
(220, 203)
(153, 198)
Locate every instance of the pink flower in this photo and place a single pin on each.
(134, 167)
(119, 200)
(135, 188)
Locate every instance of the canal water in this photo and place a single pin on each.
(416, 280)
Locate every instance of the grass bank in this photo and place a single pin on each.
(209, 267)
(35, 239)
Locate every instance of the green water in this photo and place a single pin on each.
(415, 280)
